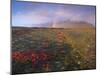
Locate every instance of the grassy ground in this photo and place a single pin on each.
(46, 50)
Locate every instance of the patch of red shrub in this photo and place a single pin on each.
(31, 56)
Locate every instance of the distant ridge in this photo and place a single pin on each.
(62, 24)
(73, 24)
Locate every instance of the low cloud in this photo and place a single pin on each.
(40, 17)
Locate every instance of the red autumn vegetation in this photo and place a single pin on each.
(32, 56)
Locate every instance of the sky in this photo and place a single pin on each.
(35, 14)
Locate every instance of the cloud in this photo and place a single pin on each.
(33, 18)
(29, 18)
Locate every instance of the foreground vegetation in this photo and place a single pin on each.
(49, 49)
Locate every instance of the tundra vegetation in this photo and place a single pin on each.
(36, 50)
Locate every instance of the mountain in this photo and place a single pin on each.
(59, 24)
(72, 24)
